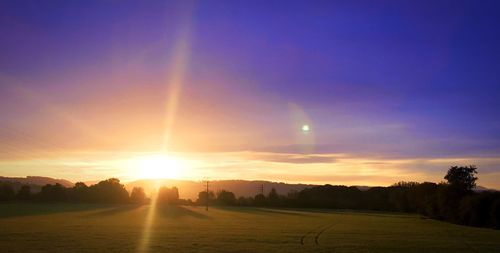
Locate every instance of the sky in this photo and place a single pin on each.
(391, 90)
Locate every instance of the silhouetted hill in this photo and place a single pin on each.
(187, 189)
(35, 182)
(190, 189)
(480, 189)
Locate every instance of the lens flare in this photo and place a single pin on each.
(146, 230)
(156, 166)
(304, 139)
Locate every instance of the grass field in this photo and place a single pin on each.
(97, 228)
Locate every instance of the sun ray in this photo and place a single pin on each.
(148, 223)
(174, 87)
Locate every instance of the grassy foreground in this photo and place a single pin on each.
(98, 228)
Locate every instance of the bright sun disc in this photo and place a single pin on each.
(158, 166)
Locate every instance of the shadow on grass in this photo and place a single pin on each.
(8, 210)
(112, 210)
(179, 212)
(265, 211)
(376, 213)
(315, 211)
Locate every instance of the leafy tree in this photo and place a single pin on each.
(242, 201)
(292, 198)
(108, 191)
(55, 192)
(259, 200)
(203, 198)
(338, 196)
(24, 193)
(475, 209)
(168, 195)
(425, 198)
(226, 198)
(495, 213)
(453, 201)
(273, 199)
(80, 192)
(6, 192)
(462, 177)
(137, 195)
(405, 184)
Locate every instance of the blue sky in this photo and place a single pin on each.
(384, 80)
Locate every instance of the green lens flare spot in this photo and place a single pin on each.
(305, 128)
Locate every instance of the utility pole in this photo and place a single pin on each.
(208, 197)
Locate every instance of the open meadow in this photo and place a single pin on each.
(129, 228)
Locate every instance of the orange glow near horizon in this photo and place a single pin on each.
(333, 168)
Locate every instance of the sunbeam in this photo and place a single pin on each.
(146, 230)
(174, 84)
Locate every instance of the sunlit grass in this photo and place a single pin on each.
(97, 228)
(146, 230)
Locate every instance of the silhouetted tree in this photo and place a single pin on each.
(453, 201)
(24, 193)
(80, 192)
(108, 191)
(273, 199)
(378, 199)
(168, 196)
(462, 177)
(137, 195)
(6, 192)
(242, 201)
(292, 198)
(474, 209)
(203, 198)
(495, 213)
(425, 198)
(259, 200)
(406, 184)
(55, 192)
(329, 196)
(226, 198)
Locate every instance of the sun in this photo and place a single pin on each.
(158, 167)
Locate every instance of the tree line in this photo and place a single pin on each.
(107, 191)
(453, 200)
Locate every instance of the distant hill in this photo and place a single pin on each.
(190, 189)
(479, 188)
(36, 183)
(187, 189)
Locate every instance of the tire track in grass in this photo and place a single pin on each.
(316, 238)
(319, 230)
(303, 237)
